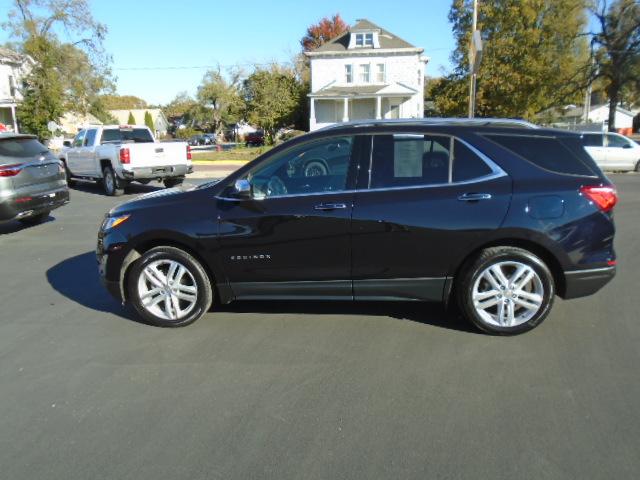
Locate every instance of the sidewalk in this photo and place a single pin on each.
(214, 170)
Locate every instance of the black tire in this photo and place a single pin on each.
(204, 295)
(67, 172)
(637, 169)
(111, 184)
(172, 182)
(471, 271)
(35, 219)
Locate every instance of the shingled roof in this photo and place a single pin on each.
(387, 39)
(9, 56)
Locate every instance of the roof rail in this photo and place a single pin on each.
(503, 122)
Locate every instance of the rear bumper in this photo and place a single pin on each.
(165, 171)
(580, 283)
(16, 208)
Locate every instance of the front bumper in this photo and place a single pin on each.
(165, 171)
(580, 283)
(34, 204)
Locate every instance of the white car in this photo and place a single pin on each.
(116, 155)
(612, 151)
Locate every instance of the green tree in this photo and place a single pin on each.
(148, 121)
(534, 58)
(618, 53)
(179, 106)
(219, 99)
(66, 76)
(122, 102)
(273, 98)
(131, 120)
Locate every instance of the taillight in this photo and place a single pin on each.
(188, 152)
(10, 170)
(605, 198)
(125, 156)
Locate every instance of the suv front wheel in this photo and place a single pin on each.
(505, 290)
(169, 288)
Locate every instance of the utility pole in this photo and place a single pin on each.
(475, 54)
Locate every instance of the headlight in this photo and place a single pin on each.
(113, 222)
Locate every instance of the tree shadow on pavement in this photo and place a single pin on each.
(77, 279)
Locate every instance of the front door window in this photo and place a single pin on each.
(317, 167)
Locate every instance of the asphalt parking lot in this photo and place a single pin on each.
(305, 390)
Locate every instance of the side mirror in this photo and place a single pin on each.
(67, 143)
(626, 145)
(242, 188)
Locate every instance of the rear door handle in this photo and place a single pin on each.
(330, 206)
(474, 197)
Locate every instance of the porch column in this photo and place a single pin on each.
(15, 120)
(378, 108)
(345, 110)
(312, 113)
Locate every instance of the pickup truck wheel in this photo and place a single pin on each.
(173, 182)
(67, 173)
(111, 183)
(638, 167)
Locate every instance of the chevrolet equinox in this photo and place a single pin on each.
(493, 217)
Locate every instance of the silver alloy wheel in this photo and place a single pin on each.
(167, 289)
(508, 294)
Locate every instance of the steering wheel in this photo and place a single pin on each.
(276, 186)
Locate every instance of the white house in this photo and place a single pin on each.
(159, 120)
(600, 114)
(366, 73)
(13, 68)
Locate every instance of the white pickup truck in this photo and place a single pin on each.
(116, 155)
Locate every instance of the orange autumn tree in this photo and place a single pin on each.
(323, 31)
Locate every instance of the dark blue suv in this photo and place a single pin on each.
(492, 217)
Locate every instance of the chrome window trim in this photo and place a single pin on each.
(497, 172)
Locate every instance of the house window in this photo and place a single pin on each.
(380, 73)
(368, 39)
(348, 74)
(364, 73)
(364, 39)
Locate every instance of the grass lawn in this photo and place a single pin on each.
(241, 154)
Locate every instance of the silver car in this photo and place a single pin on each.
(32, 179)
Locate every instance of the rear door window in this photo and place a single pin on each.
(548, 153)
(467, 165)
(407, 160)
(593, 140)
(21, 147)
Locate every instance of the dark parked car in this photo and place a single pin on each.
(32, 180)
(498, 219)
(254, 139)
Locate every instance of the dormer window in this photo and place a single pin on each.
(364, 39)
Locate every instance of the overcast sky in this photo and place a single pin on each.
(173, 40)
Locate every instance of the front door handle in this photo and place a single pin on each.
(474, 197)
(330, 206)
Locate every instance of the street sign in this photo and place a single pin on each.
(475, 52)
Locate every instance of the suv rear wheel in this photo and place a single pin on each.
(505, 290)
(169, 288)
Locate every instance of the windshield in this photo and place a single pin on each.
(124, 135)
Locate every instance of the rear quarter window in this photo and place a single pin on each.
(550, 153)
